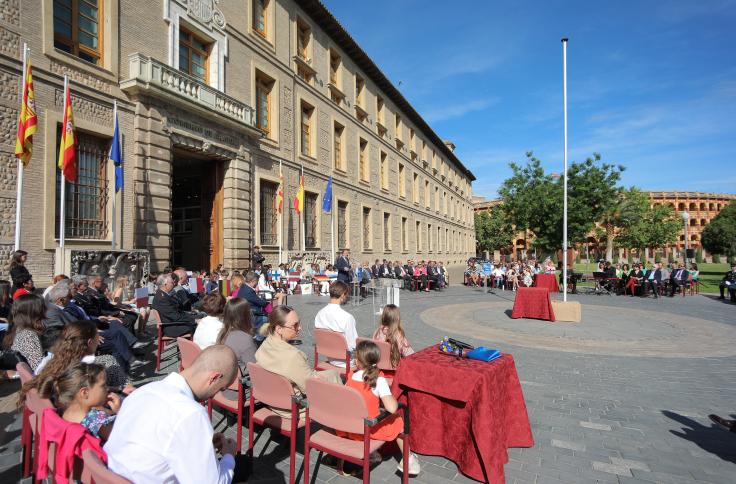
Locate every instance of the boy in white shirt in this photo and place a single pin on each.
(335, 318)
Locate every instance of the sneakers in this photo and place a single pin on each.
(414, 467)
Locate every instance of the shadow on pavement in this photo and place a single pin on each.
(711, 439)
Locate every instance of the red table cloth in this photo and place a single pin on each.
(533, 302)
(466, 410)
(547, 280)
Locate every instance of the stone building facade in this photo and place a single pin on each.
(215, 100)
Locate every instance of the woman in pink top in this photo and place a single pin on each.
(391, 332)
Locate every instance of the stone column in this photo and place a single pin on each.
(237, 210)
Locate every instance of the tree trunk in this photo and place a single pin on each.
(609, 243)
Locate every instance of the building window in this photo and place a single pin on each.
(193, 55)
(269, 216)
(412, 144)
(86, 199)
(260, 17)
(404, 234)
(306, 131)
(359, 91)
(426, 193)
(429, 237)
(337, 143)
(437, 199)
(415, 188)
(386, 232)
(342, 225)
(264, 87)
(303, 40)
(77, 28)
(380, 117)
(365, 173)
(335, 63)
(418, 233)
(399, 139)
(402, 181)
(439, 239)
(366, 228)
(384, 171)
(310, 220)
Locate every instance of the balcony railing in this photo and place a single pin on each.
(148, 73)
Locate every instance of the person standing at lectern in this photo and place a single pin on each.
(342, 265)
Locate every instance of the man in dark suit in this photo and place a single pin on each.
(654, 279)
(174, 321)
(433, 274)
(258, 304)
(409, 274)
(376, 270)
(96, 304)
(342, 265)
(678, 278)
(729, 282)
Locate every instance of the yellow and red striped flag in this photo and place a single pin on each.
(299, 199)
(280, 192)
(68, 141)
(27, 121)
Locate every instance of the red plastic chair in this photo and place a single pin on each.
(234, 406)
(332, 345)
(342, 408)
(384, 363)
(188, 352)
(96, 472)
(274, 391)
(26, 435)
(34, 407)
(163, 341)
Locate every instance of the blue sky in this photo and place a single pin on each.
(651, 83)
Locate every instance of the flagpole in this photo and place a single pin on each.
(115, 192)
(564, 202)
(301, 215)
(281, 214)
(19, 188)
(332, 227)
(62, 208)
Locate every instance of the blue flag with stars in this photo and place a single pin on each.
(116, 155)
(327, 199)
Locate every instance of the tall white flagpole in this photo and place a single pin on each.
(301, 212)
(62, 208)
(114, 192)
(19, 188)
(332, 221)
(564, 202)
(281, 214)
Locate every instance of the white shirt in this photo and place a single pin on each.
(335, 318)
(162, 435)
(382, 389)
(207, 331)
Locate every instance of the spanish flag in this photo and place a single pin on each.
(299, 199)
(280, 192)
(68, 141)
(27, 121)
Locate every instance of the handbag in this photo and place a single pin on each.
(482, 353)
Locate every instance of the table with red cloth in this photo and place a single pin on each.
(533, 302)
(547, 280)
(466, 410)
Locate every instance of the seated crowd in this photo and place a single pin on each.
(80, 342)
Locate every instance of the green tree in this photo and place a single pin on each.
(493, 231)
(658, 227)
(719, 235)
(532, 199)
(622, 213)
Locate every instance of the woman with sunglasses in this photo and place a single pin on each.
(278, 356)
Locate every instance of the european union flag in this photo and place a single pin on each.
(116, 155)
(327, 199)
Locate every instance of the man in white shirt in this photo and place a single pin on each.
(335, 318)
(163, 434)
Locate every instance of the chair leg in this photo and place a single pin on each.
(209, 408)
(405, 470)
(158, 352)
(26, 442)
(292, 456)
(239, 439)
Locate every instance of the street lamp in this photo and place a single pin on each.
(685, 219)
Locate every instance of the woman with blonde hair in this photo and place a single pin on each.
(391, 331)
(121, 297)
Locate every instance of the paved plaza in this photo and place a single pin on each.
(622, 397)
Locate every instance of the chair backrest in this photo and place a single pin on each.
(272, 389)
(336, 406)
(154, 316)
(25, 372)
(330, 343)
(96, 471)
(385, 362)
(189, 351)
(36, 404)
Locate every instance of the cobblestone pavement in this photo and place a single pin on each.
(598, 415)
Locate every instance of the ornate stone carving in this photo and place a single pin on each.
(80, 76)
(87, 109)
(9, 43)
(10, 12)
(8, 118)
(206, 12)
(9, 87)
(111, 264)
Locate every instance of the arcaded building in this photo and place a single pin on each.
(215, 99)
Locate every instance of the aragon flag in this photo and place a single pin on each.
(299, 199)
(27, 121)
(68, 141)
